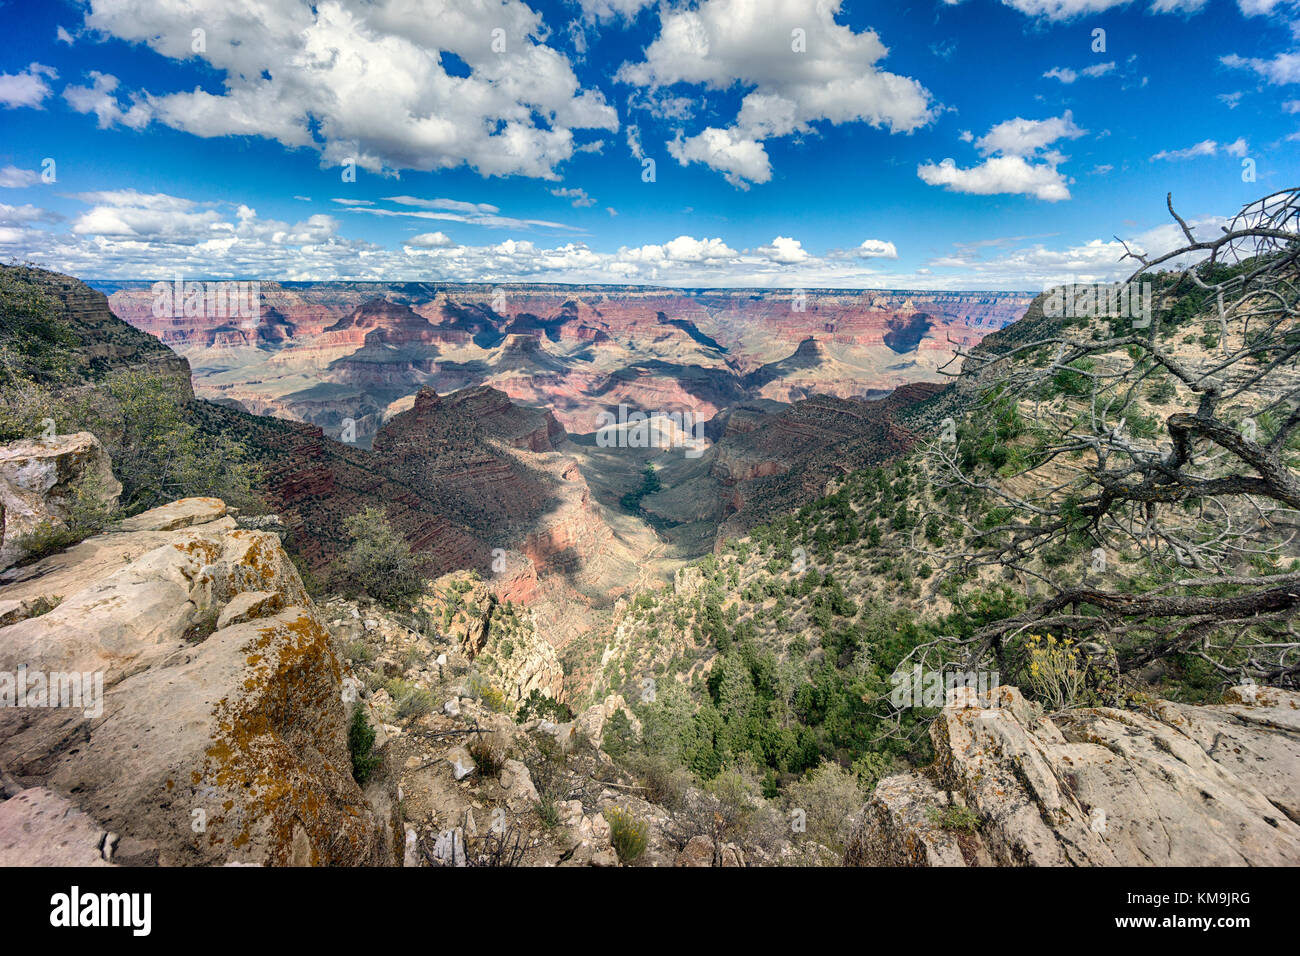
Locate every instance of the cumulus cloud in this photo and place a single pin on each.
(1283, 68)
(126, 234)
(797, 63)
(1017, 161)
(100, 98)
(27, 88)
(603, 11)
(784, 250)
(431, 240)
(876, 249)
(367, 84)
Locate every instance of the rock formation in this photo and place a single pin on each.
(1179, 785)
(41, 482)
(184, 695)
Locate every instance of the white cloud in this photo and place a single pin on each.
(1254, 8)
(1058, 10)
(1067, 76)
(797, 63)
(431, 240)
(1017, 161)
(11, 177)
(100, 98)
(27, 88)
(368, 84)
(579, 196)
(447, 210)
(62, 36)
(998, 175)
(1038, 266)
(1283, 68)
(1291, 106)
(25, 214)
(1022, 137)
(741, 159)
(876, 249)
(132, 235)
(634, 143)
(784, 250)
(1206, 147)
(603, 11)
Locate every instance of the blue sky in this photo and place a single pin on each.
(978, 144)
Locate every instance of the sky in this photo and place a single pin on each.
(937, 144)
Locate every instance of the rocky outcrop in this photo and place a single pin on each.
(1178, 785)
(201, 712)
(42, 481)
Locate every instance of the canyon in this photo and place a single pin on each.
(346, 355)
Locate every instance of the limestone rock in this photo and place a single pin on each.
(183, 513)
(212, 744)
(1181, 786)
(462, 764)
(40, 480)
(40, 828)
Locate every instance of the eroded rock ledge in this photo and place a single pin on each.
(1179, 785)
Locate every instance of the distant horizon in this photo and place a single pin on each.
(562, 285)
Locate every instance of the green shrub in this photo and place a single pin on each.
(416, 703)
(379, 561)
(361, 744)
(962, 819)
(537, 704)
(627, 833)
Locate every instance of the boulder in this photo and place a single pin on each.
(214, 737)
(41, 481)
(697, 852)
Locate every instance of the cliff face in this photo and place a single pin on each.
(99, 342)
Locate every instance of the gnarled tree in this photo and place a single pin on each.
(1140, 473)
